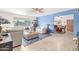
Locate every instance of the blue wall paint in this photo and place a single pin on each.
(76, 22)
(64, 13)
(44, 20)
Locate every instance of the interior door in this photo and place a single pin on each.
(70, 25)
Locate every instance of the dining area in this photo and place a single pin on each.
(63, 24)
(60, 28)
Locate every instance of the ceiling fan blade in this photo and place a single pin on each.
(40, 10)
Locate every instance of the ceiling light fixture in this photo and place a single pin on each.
(39, 10)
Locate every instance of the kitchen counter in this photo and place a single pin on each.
(6, 39)
(6, 44)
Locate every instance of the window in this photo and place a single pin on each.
(22, 21)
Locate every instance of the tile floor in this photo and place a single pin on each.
(56, 42)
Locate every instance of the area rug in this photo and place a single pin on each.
(29, 42)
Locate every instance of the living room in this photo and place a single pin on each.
(39, 29)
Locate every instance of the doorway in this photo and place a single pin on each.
(63, 23)
(70, 25)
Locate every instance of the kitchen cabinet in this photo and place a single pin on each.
(6, 44)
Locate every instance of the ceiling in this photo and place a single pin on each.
(30, 12)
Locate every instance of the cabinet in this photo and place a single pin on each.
(6, 46)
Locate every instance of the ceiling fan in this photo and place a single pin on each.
(39, 10)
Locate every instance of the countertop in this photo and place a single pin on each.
(6, 39)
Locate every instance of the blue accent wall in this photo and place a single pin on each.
(67, 12)
(43, 20)
(76, 22)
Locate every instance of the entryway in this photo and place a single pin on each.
(63, 24)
